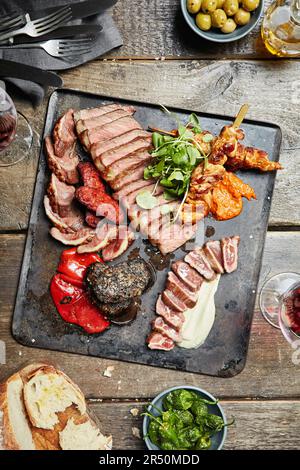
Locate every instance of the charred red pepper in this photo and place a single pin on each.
(74, 264)
(74, 305)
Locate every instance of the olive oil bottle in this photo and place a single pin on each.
(281, 28)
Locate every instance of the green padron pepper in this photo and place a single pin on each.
(153, 431)
(214, 423)
(179, 400)
(203, 443)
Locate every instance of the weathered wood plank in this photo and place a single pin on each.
(258, 424)
(157, 28)
(271, 89)
(269, 372)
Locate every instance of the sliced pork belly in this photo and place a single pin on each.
(117, 153)
(180, 290)
(61, 196)
(98, 121)
(213, 252)
(130, 188)
(99, 149)
(91, 219)
(64, 137)
(71, 223)
(75, 238)
(187, 275)
(172, 317)
(174, 235)
(158, 340)
(128, 177)
(108, 131)
(198, 261)
(90, 113)
(230, 252)
(117, 247)
(126, 164)
(103, 235)
(65, 167)
(162, 327)
(170, 299)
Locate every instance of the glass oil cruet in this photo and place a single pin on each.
(281, 28)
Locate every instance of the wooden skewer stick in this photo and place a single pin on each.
(161, 131)
(240, 116)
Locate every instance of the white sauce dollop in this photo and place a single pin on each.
(200, 319)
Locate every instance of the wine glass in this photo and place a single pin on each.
(16, 135)
(280, 304)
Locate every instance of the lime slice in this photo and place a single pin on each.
(146, 200)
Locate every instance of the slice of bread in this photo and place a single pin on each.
(43, 409)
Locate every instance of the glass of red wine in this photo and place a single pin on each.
(280, 304)
(16, 135)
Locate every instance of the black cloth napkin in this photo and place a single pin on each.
(108, 39)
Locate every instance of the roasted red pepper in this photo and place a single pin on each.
(74, 305)
(74, 264)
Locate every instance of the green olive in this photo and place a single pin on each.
(231, 7)
(208, 6)
(229, 26)
(203, 21)
(218, 18)
(220, 3)
(193, 6)
(250, 5)
(242, 17)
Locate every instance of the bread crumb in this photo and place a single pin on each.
(136, 432)
(134, 411)
(20, 353)
(108, 371)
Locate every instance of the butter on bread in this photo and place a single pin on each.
(38, 404)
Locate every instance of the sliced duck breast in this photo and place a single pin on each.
(213, 252)
(128, 177)
(230, 252)
(94, 112)
(198, 261)
(181, 291)
(188, 275)
(97, 150)
(117, 247)
(71, 223)
(125, 164)
(170, 299)
(75, 238)
(61, 196)
(91, 219)
(98, 121)
(172, 317)
(64, 137)
(65, 167)
(104, 234)
(162, 327)
(158, 340)
(111, 156)
(174, 235)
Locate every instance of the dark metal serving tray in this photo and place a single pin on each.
(36, 322)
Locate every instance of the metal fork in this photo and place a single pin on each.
(60, 47)
(40, 26)
(12, 20)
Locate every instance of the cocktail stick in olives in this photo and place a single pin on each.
(218, 18)
(203, 21)
(242, 17)
(250, 5)
(193, 6)
(208, 6)
(231, 7)
(229, 26)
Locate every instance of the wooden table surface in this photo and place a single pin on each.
(163, 62)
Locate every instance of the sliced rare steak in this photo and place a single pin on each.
(180, 290)
(162, 327)
(90, 113)
(158, 340)
(172, 317)
(198, 261)
(230, 252)
(111, 156)
(172, 301)
(188, 275)
(98, 121)
(125, 164)
(99, 149)
(213, 252)
(129, 177)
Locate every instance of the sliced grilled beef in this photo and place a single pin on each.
(64, 137)
(128, 177)
(61, 196)
(172, 301)
(108, 131)
(98, 121)
(90, 113)
(74, 238)
(172, 317)
(198, 261)
(162, 327)
(111, 156)
(230, 252)
(213, 252)
(181, 291)
(188, 275)
(158, 340)
(104, 234)
(132, 187)
(117, 283)
(65, 168)
(126, 164)
(99, 149)
(117, 247)
(71, 223)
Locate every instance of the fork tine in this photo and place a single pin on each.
(74, 53)
(47, 18)
(47, 27)
(13, 22)
(75, 43)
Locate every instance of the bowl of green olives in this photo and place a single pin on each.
(184, 418)
(222, 20)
